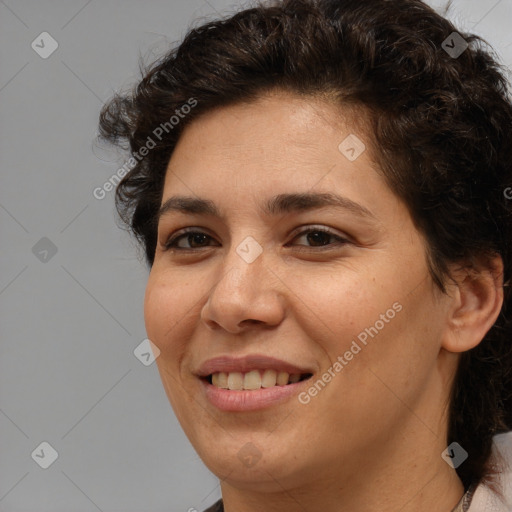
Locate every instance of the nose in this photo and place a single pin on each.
(244, 295)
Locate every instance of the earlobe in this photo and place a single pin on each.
(477, 298)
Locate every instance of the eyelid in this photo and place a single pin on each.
(307, 228)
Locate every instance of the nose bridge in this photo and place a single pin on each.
(243, 268)
(242, 291)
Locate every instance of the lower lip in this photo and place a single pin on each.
(250, 400)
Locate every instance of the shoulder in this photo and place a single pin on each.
(484, 498)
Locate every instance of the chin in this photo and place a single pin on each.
(246, 462)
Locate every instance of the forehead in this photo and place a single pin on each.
(278, 138)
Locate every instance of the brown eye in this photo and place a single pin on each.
(320, 237)
(194, 239)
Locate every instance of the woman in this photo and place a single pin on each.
(320, 190)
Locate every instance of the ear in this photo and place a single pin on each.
(477, 298)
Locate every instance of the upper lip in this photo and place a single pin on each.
(247, 363)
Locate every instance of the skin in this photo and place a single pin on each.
(372, 438)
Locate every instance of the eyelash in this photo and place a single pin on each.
(171, 242)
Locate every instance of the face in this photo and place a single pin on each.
(291, 255)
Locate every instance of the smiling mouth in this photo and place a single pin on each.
(254, 379)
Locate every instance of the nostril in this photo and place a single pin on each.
(250, 321)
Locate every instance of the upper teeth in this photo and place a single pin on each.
(255, 379)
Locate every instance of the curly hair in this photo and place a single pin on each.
(440, 127)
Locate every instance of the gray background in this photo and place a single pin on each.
(70, 321)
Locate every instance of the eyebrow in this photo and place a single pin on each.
(277, 205)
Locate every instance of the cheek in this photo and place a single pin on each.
(375, 319)
(167, 307)
(400, 350)
(168, 313)
(334, 307)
